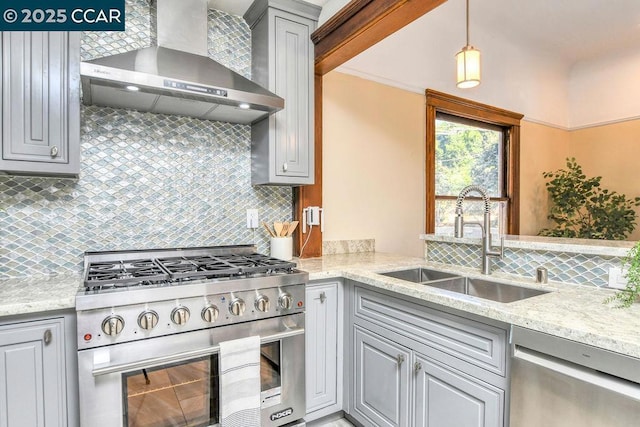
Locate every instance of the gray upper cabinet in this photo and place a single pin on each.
(33, 388)
(282, 147)
(40, 103)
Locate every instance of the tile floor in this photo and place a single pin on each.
(338, 423)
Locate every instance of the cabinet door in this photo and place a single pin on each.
(40, 102)
(294, 83)
(32, 375)
(321, 334)
(381, 381)
(446, 397)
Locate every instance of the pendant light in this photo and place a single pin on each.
(468, 63)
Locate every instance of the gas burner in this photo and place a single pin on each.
(133, 269)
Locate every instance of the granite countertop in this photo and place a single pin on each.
(568, 311)
(38, 294)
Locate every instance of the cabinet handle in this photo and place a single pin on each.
(54, 151)
(323, 297)
(417, 366)
(284, 167)
(47, 337)
(400, 359)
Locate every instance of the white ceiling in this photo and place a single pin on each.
(239, 7)
(565, 31)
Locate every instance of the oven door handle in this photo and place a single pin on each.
(154, 361)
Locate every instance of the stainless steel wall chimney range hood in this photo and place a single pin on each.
(177, 76)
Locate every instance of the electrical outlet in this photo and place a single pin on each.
(252, 218)
(617, 278)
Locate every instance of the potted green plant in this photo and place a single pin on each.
(630, 293)
(581, 208)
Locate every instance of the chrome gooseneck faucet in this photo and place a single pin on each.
(487, 252)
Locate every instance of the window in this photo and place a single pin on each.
(471, 143)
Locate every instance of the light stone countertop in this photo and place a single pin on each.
(618, 248)
(38, 294)
(569, 311)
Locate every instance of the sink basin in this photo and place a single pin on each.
(487, 289)
(419, 275)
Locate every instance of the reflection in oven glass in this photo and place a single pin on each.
(184, 394)
(270, 366)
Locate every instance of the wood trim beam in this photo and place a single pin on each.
(355, 28)
(360, 25)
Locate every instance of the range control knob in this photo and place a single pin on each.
(112, 325)
(210, 313)
(262, 303)
(148, 319)
(285, 300)
(180, 315)
(237, 306)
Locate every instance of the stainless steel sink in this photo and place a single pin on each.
(419, 275)
(487, 289)
(481, 288)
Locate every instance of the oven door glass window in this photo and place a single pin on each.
(180, 394)
(270, 374)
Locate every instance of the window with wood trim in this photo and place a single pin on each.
(471, 143)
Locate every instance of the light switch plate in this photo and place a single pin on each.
(617, 279)
(252, 218)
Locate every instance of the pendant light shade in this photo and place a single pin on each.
(468, 66)
(468, 63)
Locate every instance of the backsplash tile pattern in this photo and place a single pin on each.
(146, 180)
(562, 266)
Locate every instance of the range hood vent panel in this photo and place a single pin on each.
(198, 83)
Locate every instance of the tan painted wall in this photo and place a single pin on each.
(613, 152)
(373, 163)
(542, 148)
(373, 158)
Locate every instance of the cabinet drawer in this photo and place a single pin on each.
(474, 342)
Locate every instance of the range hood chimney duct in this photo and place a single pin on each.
(177, 77)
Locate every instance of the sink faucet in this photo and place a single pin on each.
(487, 252)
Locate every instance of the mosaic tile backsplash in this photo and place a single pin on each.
(562, 266)
(146, 180)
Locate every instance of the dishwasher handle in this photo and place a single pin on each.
(581, 373)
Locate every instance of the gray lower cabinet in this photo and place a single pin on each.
(447, 397)
(413, 364)
(40, 89)
(282, 148)
(381, 380)
(33, 386)
(323, 352)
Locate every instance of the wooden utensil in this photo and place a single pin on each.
(285, 228)
(266, 227)
(277, 227)
(292, 228)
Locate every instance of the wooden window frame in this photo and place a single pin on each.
(510, 121)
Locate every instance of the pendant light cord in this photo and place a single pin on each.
(467, 22)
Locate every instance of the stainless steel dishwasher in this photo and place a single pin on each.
(558, 382)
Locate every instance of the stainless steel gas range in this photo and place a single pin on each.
(150, 324)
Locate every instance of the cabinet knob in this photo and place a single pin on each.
(417, 366)
(400, 359)
(284, 167)
(47, 337)
(54, 151)
(323, 297)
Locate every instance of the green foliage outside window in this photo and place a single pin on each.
(581, 208)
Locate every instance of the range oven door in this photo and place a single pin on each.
(173, 380)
